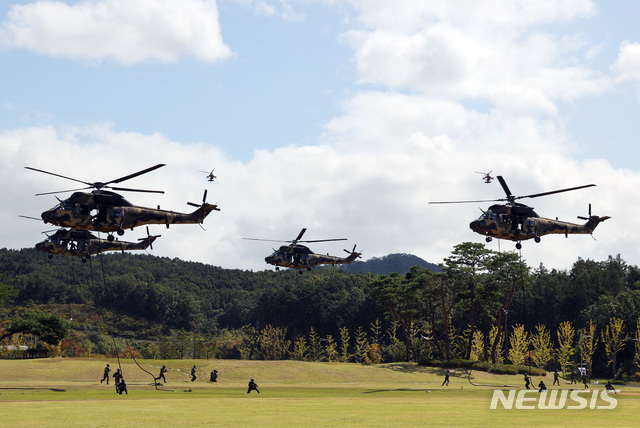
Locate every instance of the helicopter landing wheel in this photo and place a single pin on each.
(84, 260)
(120, 232)
(488, 239)
(309, 269)
(277, 268)
(50, 256)
(300, 272)
(519, 246)
(537, 239)
(110, 238)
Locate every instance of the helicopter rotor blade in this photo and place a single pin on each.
(126, 189)
(535, 195)
(304, 229)
(63, 191)
(325, 240)
(135, 174)
(58, 175)
(468, 202)
(505, 187)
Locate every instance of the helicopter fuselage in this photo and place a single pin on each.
(512, 223)
(106, 211)
(301, 257)
(84, 244)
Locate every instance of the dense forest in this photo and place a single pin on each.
(476, 305)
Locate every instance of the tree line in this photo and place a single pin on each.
(468, 309)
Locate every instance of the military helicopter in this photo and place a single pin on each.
(487, 178)
(517, 222)
(106, 211)
(300, 257)
(210, 175)
(82, 243)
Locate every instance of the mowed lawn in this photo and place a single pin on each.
(68, 393)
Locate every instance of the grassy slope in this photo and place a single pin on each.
(67, 392)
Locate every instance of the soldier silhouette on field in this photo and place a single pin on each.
(107, 369)
(253, 387)
(573, 377)
(556, 378)
(214, 376)
(121, 387)
(585, 380)
(527, 381)
(193, 374)
(542, 386)
(117, 377)
(610, 387)
(446, 378)
(163, 370)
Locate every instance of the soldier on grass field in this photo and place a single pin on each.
(253, 387)
(446, 378)
(107, 369)
(163, 370)
(193, 374)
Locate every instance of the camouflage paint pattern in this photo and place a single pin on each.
(84, 244)
(106, 211)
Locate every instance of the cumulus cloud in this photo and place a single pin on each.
(124, 31)
(493, 50)
(627, 66)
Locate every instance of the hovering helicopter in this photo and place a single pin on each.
(106, 211)
(210, 175)
(517, 222)
(82, 243)
(300, 257)
(487, 178)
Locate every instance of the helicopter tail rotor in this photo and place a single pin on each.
(149, 237)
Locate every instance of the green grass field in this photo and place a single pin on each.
(68, 393)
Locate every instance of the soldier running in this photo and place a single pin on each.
(446, 378)
(556, 378)
(163, 370)
(193, 374)
(107, 369)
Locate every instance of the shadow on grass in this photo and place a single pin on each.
(33, 388)
(375, 391)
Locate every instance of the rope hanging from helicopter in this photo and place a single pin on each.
(106, 291)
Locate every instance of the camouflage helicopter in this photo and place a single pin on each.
(300, 257)
(106, 211)
(82, 243)
(517, 222)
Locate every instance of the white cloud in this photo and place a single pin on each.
(468, 50)
(124, 31)
(627, 66)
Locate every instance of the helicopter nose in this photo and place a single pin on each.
(477, 225)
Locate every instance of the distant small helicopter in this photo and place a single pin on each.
(517, 222)
(106, 211)
(210, 175)
(300, 257)
(82, 243)
(487, 178)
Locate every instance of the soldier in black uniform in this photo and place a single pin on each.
(446, 378)
(585, 380)
(163, 370)
(107, 369)
(542, 386)
(556, 378)
(527, 381)
(117, 377)
(253, 387)
(214, 376)
(610, 387)
(193, 374)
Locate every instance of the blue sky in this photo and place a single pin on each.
(343, 116)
